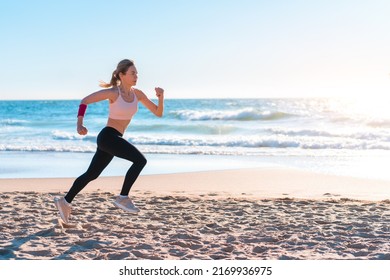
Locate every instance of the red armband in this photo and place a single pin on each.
(82, 109)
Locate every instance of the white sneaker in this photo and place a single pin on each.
(125, 203)
(64, 208)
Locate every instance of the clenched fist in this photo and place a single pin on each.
(159, 92)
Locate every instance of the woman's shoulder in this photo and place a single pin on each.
(110, 93)
(139, 93)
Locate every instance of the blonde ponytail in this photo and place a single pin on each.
(122, 67)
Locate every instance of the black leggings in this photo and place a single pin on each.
(109, 144)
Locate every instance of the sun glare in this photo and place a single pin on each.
(373, 110)
(375, 107)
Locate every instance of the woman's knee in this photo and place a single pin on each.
(142, 161)
(90, 176)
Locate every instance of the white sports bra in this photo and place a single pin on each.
(122, 110)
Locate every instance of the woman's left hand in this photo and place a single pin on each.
(159, 92)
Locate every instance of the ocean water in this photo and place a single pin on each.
(39, 139)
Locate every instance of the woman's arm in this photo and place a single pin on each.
(98, 96)
(89, 99)
(158, 110)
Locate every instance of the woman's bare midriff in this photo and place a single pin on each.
(119, 125)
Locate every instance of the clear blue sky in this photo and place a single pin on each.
(203, 48)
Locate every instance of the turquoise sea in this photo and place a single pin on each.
(38, 138)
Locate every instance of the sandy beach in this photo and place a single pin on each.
(264, 213)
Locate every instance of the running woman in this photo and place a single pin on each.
(123, 104)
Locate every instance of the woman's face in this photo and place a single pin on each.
(131, 76)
